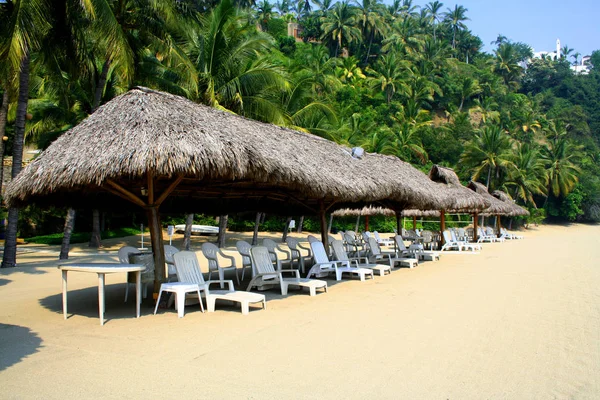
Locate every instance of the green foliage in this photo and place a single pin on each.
(287, 44)
(277, 27)
(81, 237)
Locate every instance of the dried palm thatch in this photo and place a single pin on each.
(516, 209)
(464, 200)
(208, 160)
(421, 213)
(497, 207)
(365, 211)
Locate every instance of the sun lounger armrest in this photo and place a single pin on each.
(287, 253)
(293, 271)
(230, 258)
(229, 283)
(304, 248)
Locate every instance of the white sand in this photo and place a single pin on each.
(521, 320)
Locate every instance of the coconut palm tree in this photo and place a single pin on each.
(233, 67)
(507, 65)
(348, 71)
(561, 157)
(468, 87)
(370, 21)
(488, 152)
(388, 75)
(339, 26)
(433, 8)
(528, 173)
(455, 19)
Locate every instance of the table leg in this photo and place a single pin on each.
(101, 296)
(64, 293)
(138, 292)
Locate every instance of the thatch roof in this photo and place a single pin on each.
(421, 213)
(217, 161)
(497, 207)
(516, 209)
(365, 211)
(464, 200)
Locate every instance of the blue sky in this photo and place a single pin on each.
(535, 22)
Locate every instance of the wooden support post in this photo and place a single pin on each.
(330, 223)
(357, 224)
(366, 223)
(442, 225)
(323, 225)
(158, 248)
(475, 226)
(498, 225)
(414, 222)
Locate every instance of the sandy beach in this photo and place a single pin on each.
(520, 320)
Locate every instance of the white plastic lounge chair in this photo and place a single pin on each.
(243, 248)
(465, 245)
(268, 276)
(323, 266)
(353, 247)
(375, 254)
(449, 243)
(418, 251)
(169, 251)
(123, 255)
(211, 252)
(312, 239)
(508, 235)
(296, 253)
(274, 251)
(401, 250)
(489, 231)
(341, 255)
(188, 271)
(483, 237)
(381, 241)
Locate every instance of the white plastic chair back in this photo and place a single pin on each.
(400, 243)
(169, 251)
(447, 237)
(210, 250)
(365, 236)
(453, 236)
(124, 253)
(489, 231)
(312, 239)
(377, 237)
(319, 252)
(374, 247)
(262, 261)
(243, 248)
(338, 251)
(427, 236)
(271, 246)
(461, 233)
(188, 268)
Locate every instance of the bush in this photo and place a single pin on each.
(81, 237)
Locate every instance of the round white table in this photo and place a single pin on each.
(102, 269)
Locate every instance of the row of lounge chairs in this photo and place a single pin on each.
(268, 268)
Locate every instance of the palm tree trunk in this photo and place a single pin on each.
(222, 230)
(286, 228)
(187, 234)
(256, 225)
(10, 245)
(462, 101)
(300, 223)
(95, 240)
(66, 242)
(3, 115)
(100, 87)
(369, 48)
(489, 176)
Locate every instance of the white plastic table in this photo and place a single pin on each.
(102, 269)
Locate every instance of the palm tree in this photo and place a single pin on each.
(388, 75)
(371, 22)
(234, 71)
(433, 8)
(264, 13)
(565, 51)
(489, 151)
(340, 26)
(348, 71)
(528, 173)
(455, 18)
(487, 107)
(468, 87)
(407, 142)
(507, 64)
(561, 157)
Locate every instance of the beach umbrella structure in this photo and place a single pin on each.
(157, 152)
(516, 210)
(497, 207)
(366, 212)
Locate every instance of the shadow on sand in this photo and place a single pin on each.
(17, 343)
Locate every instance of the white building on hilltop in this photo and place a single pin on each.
(582, 67)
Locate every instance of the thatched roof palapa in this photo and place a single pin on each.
(497, 207)
(421, 213)
(516, 209)
(464, 200)
(365, 211)
(223, 163)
